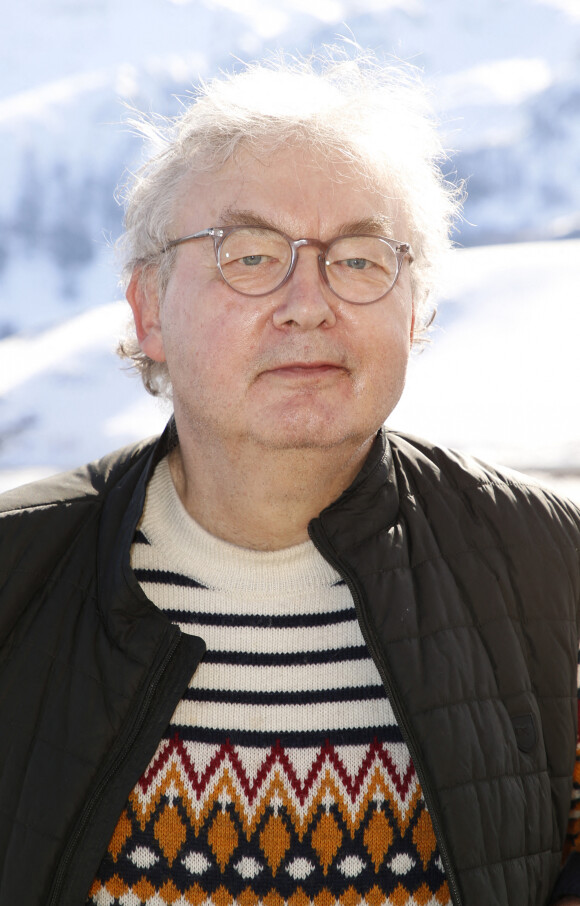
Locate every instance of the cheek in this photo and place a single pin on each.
(206, 343)
(386, 332)
(390, 358)
(384, 359)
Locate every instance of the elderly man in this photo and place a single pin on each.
(281, 655)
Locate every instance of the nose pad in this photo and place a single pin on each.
(322, 269)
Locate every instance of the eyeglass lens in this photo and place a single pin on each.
(360, 269)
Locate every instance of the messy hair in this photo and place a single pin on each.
(357, 112)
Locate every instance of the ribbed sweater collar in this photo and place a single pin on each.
(186, 547)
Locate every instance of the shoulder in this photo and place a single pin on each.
(449, 482)
(49, 530)
(40, 520)
(84, 485)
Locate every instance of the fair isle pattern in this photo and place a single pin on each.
(283, 777)
(572, 842)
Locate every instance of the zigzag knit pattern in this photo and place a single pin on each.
(283, 777)
(572, 843)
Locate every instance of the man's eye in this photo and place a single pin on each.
(253, 260)
(358, 264)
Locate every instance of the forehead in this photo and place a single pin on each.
(295, 189)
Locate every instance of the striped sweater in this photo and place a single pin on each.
(283, 776)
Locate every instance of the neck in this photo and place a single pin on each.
(261, 498)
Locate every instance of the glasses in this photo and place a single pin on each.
(256, 261)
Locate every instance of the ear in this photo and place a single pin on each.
(412, 331)
(143, 297)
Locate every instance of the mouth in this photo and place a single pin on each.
(305, 369)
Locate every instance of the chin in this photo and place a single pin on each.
(312, 436)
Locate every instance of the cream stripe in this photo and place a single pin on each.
(320, 600)
(281, 641)
(286, 679)
(284, 718)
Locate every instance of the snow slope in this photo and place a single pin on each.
(500, 377)
(503, 373)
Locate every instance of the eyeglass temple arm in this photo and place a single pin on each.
(212, 231)
(403, 248)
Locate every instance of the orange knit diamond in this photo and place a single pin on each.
(222, 897)
(170, 832)
(324, 898)
(122, 831)
(116, 887)
(273, 899)
(143, 889)
(223, 838)
(169, 892)
(350, 897)
(95, 888)
(399, 896)
(248, 898)
(378, 837)
(423, 895)
(375, 897)
(326, 839)
(275, 841)
(299, 898)
(424, 838)
(195, 895)
(443, 896)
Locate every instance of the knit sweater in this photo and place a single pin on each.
(283, 776)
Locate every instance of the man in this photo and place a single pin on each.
(281, 655)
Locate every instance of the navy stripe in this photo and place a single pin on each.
(260, 621)
(286, 659)
(288, 739)
(307, 697)
(164, 577)
(140, 538)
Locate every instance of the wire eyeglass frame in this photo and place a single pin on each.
(402, 250)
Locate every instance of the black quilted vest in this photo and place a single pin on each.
(467, 584)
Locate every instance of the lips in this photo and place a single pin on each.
(305, 366)
(305, 369)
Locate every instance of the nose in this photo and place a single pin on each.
(305, 302)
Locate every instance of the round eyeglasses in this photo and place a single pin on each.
(256, 261)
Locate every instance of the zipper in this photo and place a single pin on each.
(96, 795)
(325, 548)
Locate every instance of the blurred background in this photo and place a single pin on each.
(501, 376)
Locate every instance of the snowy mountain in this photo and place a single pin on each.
(505, 76)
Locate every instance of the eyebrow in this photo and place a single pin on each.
(376, 225)
(236, 217)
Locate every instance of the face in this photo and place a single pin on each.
(299, 367)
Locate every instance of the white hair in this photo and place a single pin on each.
(360, 112)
